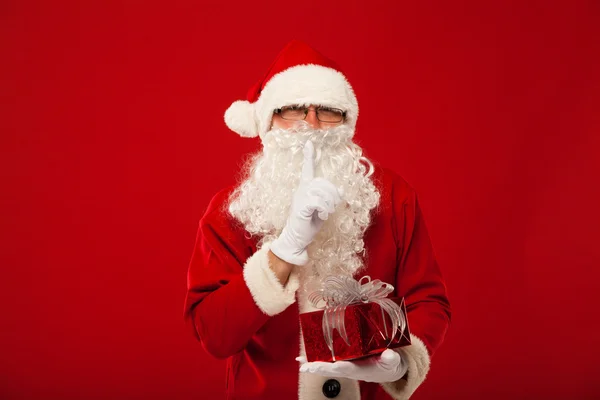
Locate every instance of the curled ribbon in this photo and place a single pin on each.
(338, 292)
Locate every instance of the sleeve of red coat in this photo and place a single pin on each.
(420, 281)
(231, 291)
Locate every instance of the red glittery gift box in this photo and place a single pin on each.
(364, 327)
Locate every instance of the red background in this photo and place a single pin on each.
(113, 142)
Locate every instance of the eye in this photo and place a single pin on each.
(329, 114)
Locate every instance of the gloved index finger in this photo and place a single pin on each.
(308, 168)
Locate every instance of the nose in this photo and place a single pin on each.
(311, 118)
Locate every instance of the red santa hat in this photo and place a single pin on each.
(299, 75)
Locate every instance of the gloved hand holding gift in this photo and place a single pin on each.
(357, 321)
(387, 367)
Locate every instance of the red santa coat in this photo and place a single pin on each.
(239, 311)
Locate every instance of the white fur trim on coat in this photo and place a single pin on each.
(418, 359)
(310, 386)
(268, 293)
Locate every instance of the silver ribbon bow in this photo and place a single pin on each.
(338, 292)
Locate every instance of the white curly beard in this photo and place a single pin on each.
(262, 201)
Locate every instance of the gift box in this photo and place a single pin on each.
(357, 320)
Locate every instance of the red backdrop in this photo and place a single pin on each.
(113, 142)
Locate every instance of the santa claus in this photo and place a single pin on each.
(309, 205)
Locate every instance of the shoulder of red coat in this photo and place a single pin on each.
(216, 211)
(387, 179)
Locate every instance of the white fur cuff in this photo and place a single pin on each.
(268, 293)
(418, 359)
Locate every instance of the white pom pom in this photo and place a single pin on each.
(239, 117)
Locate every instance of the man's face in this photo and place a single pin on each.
(311, 120)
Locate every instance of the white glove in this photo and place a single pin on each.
(303, 223)
(389, 366)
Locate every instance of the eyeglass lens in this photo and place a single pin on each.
(323, 114)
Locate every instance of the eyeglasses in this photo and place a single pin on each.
(299, 113)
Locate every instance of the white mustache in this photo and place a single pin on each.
(293, 139)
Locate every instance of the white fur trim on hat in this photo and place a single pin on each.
(266, 289)
(418, 359)
(306, 84)
(240, 118)
(302, 84)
